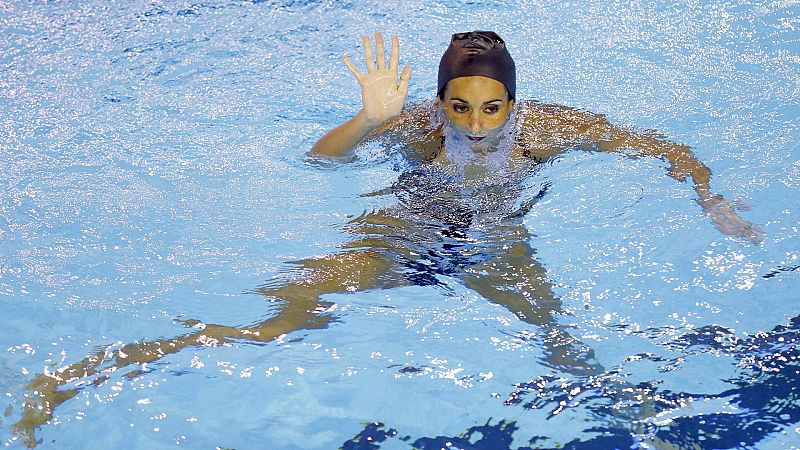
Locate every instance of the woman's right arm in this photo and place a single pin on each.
(382, 98)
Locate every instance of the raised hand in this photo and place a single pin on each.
(725, 219)
(381, 94)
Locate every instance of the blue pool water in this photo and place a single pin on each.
(153, 170)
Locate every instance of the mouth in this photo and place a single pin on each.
(476, 138)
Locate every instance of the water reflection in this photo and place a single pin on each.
(764, 401)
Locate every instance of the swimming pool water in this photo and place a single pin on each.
(152, 161)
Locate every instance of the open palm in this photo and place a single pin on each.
(382, 95)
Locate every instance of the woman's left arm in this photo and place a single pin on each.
(683, 164)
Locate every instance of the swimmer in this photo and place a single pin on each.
(476, 100)
(452, 219)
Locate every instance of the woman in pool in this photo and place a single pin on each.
(457, 215)
(476, 103)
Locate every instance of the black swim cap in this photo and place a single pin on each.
(478, 53)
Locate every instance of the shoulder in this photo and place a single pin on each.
(549, 129)
(536, 114)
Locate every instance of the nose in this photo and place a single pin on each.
(475, 122)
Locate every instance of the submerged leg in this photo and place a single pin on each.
(516, 281)
(300, 309)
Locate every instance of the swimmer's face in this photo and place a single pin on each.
(477, 107)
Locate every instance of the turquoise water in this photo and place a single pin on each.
(152, 165)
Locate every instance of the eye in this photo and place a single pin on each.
(459, 108)
(491, 109)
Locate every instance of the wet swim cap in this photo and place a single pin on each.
(478, 53)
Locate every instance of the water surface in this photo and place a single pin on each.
(152, 165)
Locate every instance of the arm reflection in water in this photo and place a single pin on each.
(503, 271)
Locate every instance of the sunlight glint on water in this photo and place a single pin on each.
(152, 164)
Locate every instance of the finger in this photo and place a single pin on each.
(394, 55)
(405, 77)
(353, 69)
(368, 57)
(380, 52)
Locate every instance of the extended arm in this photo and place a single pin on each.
(683, 164)
(382, 98)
